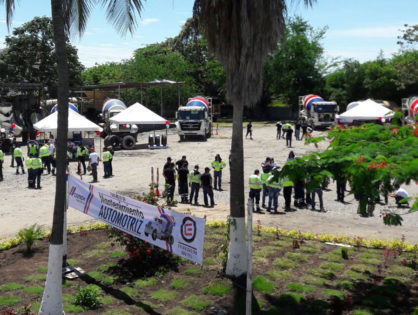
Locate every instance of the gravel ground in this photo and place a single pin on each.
(20, 207)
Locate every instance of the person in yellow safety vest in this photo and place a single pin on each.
(82, 153)
(217, 165)
(44, 155)
(255, 189)
(194, 183)
(17, 153)
(30, 171)
(264, 176)
(1, 164)
(287, 193)
(275, 186)
(33, 148)
(106, 162)
(37, 171)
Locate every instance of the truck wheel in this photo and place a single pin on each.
(157, 140)
(170, 240)
(128, 142)
(115, 141)
(154, 235)
(182, 138)
(209, 132)
(151, 140)
(163, 140)
(107, 141)
(204, 137)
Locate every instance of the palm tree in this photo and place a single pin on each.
(67, 14)
(241, 34)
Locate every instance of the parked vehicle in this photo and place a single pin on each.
(195, 119)
(317, 112)
(161, 228)
(410, 109)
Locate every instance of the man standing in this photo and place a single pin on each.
(279, 129)
(249, 130)
(304, 130)
(106, 162)
(51, 151)
(168, 164)
(289, 132)
(182, 162)
(44, 155)
(170, 181)
(37, 171)
(18, 154)
(1, 164)
(81, 154)
(274, 190)
(206, 184)
(287, 193)
(266, 174)
(194, 180)
(33, 148)
(255, 189)
(317, 191)
(297, 130)
(183, 173)
(217, 166)
(94, 162)
(31, 177)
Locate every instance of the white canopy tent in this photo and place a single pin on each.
(76, 123)
(367, 110)
(138, 114)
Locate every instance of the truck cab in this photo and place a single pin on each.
(317, 112)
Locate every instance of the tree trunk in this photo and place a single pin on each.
(52, 297)
(237, 254)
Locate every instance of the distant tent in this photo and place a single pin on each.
(138, 114)
(367, 110)
(70, 106)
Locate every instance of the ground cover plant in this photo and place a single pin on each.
(287, 281)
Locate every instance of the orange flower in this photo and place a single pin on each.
(415, 132)
(394, 131)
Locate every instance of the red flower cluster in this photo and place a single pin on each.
(360, 159)
(394, 131)
(372, 166)
(415, 132)
(403, 261)
(383, 165)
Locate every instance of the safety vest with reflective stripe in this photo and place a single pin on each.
(264, 177)
(218, 165)
(82, 152)
(107, 156)
(1, 155)
(36, 163)
(274, 183)
(194, 178)
(18, 152)
(255, 182)
(287, 182)
(32, 149)
(29, 163)
(43, 151)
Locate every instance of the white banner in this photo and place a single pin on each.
(178, 233)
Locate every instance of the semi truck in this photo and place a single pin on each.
(410, 109)
(317, 112)
(117, 135)
(195, 119)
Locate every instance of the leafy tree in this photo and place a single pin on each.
(30, 56)
(105, 73)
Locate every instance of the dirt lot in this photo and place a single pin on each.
(20, 207)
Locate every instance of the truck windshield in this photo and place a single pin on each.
(191, 115)
(324, 108)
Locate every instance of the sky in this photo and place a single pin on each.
(357, 29)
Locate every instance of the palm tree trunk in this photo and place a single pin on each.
(237, 254)
(52, 297)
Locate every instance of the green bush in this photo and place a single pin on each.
(296, 257)
(263, 285)
(299, 287)
(10, 286)
(217, 287)
(30, 235)
(196, 302)
(88, 297)
(334, 293)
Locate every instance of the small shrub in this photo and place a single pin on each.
(263, 285)
(104, 268)
(164, 295)
(131, 292)
(296, 257)
(30, 235)
(284, 263)
(192, 271)
(326, 274)
(401, 271)
(209, 261)
(35, 277)
(73, 261)
(308, 250)
(88, 297)
(217, 287)
(278, 274)
(353, 275)
(117, 254)
(299, 287)
(362, 268)
(345, 284)
(291, 298)
(362, 312)
(43, 269)
(196, 302)
(10, 286)
(107, 300)
(145, 283)
(371, 261)
(72, 308)
(332, 293)
(178, 283)
(312, 280)
(344, 253)
(332, 266)
(9, 300)
(36, 289)
(94, 253)
(265, 251)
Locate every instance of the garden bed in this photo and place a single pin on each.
(302, 277)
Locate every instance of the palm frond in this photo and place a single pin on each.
(122, 14)
(10, 7)
(77, 13)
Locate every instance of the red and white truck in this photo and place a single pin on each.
(317, 112)
(410, 109)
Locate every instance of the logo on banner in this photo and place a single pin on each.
(79, 198)
(188, 229)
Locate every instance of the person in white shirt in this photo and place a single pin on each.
(399, 195)
(93, 162)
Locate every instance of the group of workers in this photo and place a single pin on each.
(285, 131)
(194, 179)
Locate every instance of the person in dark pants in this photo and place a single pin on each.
(182, 162)
(31, 174)
(297, 130)
(37, 171)
(289, 132)
(12, 148)
(255, 189)
(194, 182)
(183, 174)
(317, 191)
(18, 154)
(287, 193)
(341, 189)
(206, 184)
(279, 126)
(170, 181)
(112, 153)
(299, 201)
(81, 154)
(304, 130)
(249, 130)
(93, 162)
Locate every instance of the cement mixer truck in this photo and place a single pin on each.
(410, 109)
(195, 119)
(117, 135)
(317, 112)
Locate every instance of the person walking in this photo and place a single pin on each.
(170, 181)
(279, 126)
(304, 130)
(287, 193)
(274, 186)
(289, 132)
(266, 174)
(183, 174)
(284, 129)
(31, 174)
(206, 184)
(194, 182)
(18, 154)
(249, 130)
(93, 163)
(37, 171)
(341, 184)
(106, 162)
(81, 154)
(217, 166)
(1, 164)
(44, 155)
(297, 129)
(317, 191)
(255, 189)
